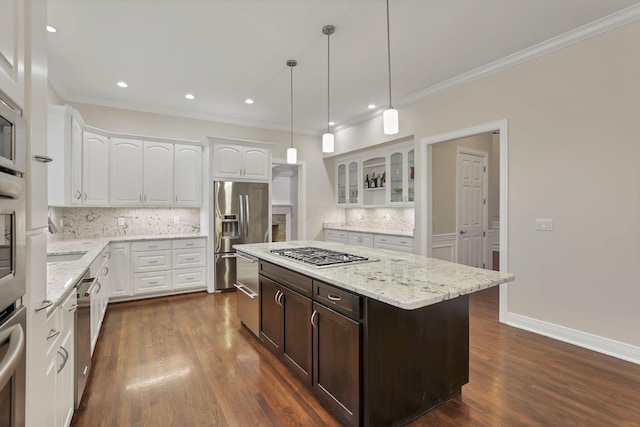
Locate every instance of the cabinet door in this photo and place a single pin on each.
(188, 175)
(336, 374)
(13, 34)
(95, 169)
(354, 187)
(341, 184)
(75, 171)
(270, 315)
(228, 161)
(256, 163)
(126, 172)
(296, 343)
(158, 174)
(120, 269)
(397, 182)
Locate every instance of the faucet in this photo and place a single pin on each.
(52, 227)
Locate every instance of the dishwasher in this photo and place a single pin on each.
(83, 335)
(248, 285)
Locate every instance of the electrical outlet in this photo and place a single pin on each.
(176, 220)
(121, 220)
(61, 222)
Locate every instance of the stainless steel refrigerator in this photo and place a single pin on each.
(241, 215)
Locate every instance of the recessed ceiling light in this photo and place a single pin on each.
(190, 96)
(371, 106)
(332, 123)
(122, 84)
(248, 101)
(52, 29)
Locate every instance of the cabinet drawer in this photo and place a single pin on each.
(152, 245)
(336, 235)
(189, 278)
(188, 257)
(337, 299)
(295, 281)
(151, 261)
(188, 243)
(393, 240)
(144, 283)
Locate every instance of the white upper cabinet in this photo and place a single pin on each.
(188, 175)
(12, 49)
(347, 183)
(157, 174)
(400, 179)
(75, 166)
(95, 169)
(64, 146)
(126, 172)
(241, 162)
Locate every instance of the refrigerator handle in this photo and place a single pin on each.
(246, 223)
(241, 218)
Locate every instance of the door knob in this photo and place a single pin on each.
(463, 232)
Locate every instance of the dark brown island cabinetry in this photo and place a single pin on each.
(370, 363)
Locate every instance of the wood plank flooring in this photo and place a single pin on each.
(187, 361)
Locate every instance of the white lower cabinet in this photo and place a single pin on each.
(60, 371)
(380, 241)
(361, 239)
(158, 267)
(336, 236)
(396, 243)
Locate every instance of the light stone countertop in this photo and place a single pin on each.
(403, 280)
(368, 230)
(61, 276)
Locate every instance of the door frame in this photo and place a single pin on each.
(302, 195)
(485, 195)
(426, 194)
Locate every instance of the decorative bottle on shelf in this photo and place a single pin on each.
(375, 180)
(384, 179)
(366, 181)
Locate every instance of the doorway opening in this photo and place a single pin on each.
(284, 202)
(447, 186)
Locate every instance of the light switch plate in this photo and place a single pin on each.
(544, 224)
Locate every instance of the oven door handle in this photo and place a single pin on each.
(15, 337)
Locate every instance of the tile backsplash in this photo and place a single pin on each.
(81, 223)
(388, 219)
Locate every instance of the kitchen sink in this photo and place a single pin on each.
(65, 256)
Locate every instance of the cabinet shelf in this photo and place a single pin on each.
(374, 189)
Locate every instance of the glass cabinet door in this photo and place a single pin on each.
(353, 182)
(411, 182)
(396, 175)
(342, 184)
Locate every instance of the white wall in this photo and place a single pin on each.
(319, 207)
(573, 147)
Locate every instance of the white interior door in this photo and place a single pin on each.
(472, 207)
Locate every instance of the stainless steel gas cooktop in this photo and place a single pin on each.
(318, 257)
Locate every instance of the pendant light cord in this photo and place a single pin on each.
(291, 67)
(328, 82)
(389, 54)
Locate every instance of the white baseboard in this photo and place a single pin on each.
(597, 343)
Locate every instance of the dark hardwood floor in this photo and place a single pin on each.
(186, 361)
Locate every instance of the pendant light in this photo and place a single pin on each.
(292, 155)
(390, 115)
(328, 138)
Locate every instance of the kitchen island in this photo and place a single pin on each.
(379, 342)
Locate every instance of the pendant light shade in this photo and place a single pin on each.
(327, 139)
(328, 144)
(292, 154)
(390, 116)
(390, 121)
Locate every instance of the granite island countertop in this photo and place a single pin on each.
(61, 276)
(400, 279)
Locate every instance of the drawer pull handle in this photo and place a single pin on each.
(189, 258)
(152, 246)
(315, 313)
(404, 243)
(73, 307)
(45, 304)
(53, 333)
(333, 297)
(42, 159)
(188, 244)
(189, 278)
(153, 282)
(153, 261)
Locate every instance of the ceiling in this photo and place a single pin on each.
(224, 51)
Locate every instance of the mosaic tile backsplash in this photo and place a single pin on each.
(83, 223)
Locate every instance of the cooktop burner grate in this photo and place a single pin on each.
(319, 257)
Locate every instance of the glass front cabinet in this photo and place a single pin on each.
(347, 182)
(401, 180)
